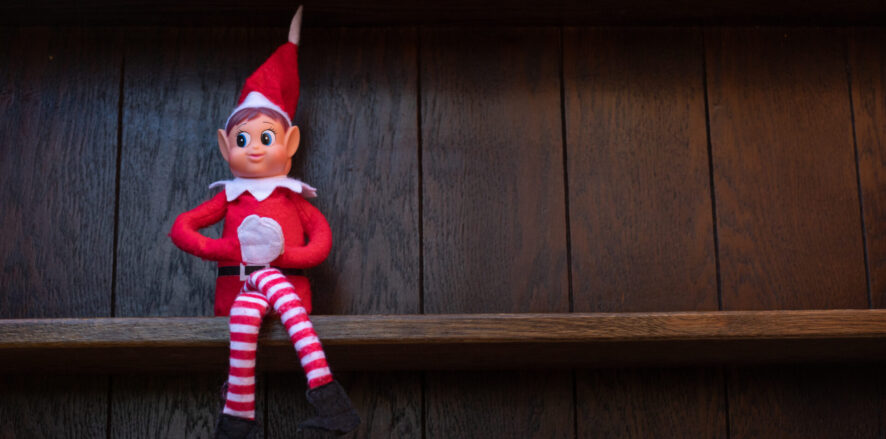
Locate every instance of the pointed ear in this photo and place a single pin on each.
(293, 136)
(223, 144)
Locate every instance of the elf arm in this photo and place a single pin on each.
(319, 238)
(185, 232)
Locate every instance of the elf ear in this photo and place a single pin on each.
(293, 136)
(223, 144)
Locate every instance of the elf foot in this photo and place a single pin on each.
(232, 427)
(334, 410)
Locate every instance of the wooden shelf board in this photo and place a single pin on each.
(400, 12)
(461, 341)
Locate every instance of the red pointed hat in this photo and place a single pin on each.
(275, 84)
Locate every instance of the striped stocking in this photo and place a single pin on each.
(265, 287)
(246, 317)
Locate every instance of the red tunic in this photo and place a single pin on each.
(297, 217)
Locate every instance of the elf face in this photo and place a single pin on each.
(258, 148)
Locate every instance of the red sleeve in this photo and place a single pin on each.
(186, 236)
(319, 238)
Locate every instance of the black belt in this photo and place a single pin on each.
(249, 269)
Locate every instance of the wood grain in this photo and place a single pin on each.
(639, 199)
(641, 219)
(418, 330)
(58, 103)
(834, 401)
(500, 404)
(60, 406)
(641, 403)
(359, 147)
(493, 214)
(780, 105)
(784, 170)
(787, 210)
(179, 86)
(867, 64)
(493, 205)
(169, 407)
(59, 110)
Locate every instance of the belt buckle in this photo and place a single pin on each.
(244, 275)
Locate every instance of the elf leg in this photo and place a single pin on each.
(332, 403)
(246, 318)
(238, 417)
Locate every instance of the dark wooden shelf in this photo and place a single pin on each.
(400, 12)
(466, 341)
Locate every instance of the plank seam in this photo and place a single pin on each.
(864, 234)
(571, 294)
(424, 405)
(265, 391)
(726, 402)
(707, 116)
(420, 159)
(423, 386)
(574, 404)
(116, 240)
(566, 174)
(110, 406)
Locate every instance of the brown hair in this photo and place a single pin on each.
(248, 114)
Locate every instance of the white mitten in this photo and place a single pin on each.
(261, 240)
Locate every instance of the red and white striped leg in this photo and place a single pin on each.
(283, 297)
(246, 316)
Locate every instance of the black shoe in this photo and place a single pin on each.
(334, 410)
(232, 427)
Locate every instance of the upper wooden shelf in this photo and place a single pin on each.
(401, 12)
(468, 341)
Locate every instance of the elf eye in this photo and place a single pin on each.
(242, 139)
(267, 137)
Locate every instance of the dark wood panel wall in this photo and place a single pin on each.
(464, 169)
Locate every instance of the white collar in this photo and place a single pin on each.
(261, 188)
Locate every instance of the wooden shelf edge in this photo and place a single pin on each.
(399, 12)
(455, 341)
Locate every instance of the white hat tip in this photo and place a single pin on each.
(295, 26)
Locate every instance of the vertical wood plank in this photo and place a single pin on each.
(360, 149)
(639, 198)
(788, 214)
(867, 63)
(525, 404)
(58, 112)
(57, 406)
(641, 218)
(837, 401)
(168, 406)
(494, 215)
(661, 403)
(784, 170)
(179, 87)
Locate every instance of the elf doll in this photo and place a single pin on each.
(270, 233)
